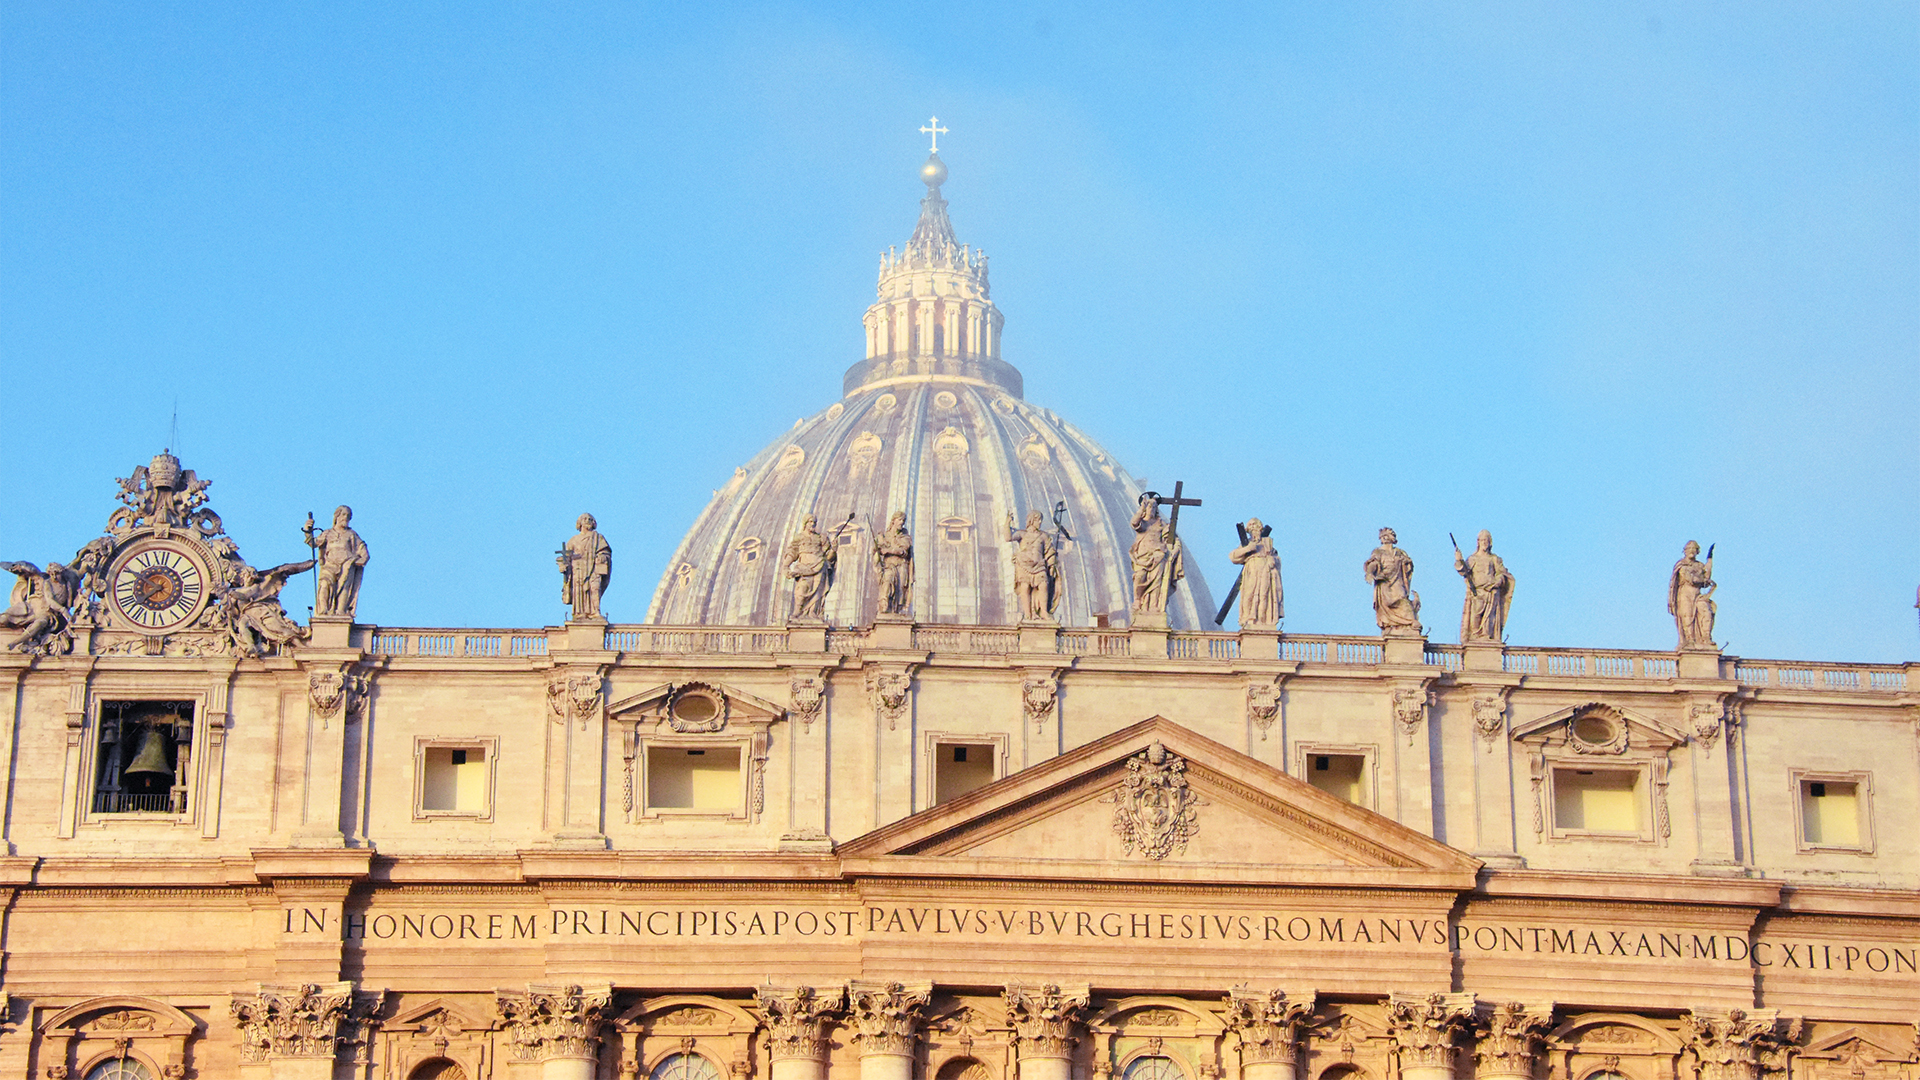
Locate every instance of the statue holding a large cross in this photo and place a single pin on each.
(1156, 551)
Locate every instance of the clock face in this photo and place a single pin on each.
(158, 587)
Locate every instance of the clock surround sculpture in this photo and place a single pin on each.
(165, 579)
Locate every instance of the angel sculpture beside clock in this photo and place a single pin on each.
(166, 566)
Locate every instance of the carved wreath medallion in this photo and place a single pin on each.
(1155, 810)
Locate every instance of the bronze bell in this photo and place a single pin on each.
(152, 757)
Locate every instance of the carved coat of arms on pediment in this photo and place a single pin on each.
(1155, 810)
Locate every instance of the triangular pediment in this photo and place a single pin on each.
(1111, 807)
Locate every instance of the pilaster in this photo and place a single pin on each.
(807, 733)
(575, 761)
(330, 690)
(13, 672)
(1411, 702)
(1716, 846)
(890, 685)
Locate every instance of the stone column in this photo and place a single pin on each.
(1509, 1036)
(888, 1017)
(1043, 1019)
(1424, 1028)
(1739, 1044)
(294, 1032)
(797, 1018)
(557, 1027)
(1270, 1026)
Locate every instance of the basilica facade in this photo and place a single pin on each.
(929, 763)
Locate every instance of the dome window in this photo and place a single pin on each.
(749, 549)
(956, 530)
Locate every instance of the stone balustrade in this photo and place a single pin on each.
(1223, 648)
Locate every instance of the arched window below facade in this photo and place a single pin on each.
(1153, 1068)
(684, 1067)
(120, 1068)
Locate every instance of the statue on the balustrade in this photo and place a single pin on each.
(1689, 597)
(340, 556)
(1483, 616)
(39, 605)
(893, 557)
(251, 612)
(1036, 568)
(809, 560)
(1155, 556)
(1262, 603)
(1396, 607)
(586, 565)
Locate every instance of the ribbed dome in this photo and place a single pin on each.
(933, 424)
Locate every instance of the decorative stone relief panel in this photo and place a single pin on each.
(1155, 810)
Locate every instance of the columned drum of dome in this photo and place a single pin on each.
(932, 423)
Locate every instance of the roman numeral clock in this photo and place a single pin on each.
(159, 585)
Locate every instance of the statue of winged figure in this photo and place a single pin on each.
(251, 612)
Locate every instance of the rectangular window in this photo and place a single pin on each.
(1340, 775)
(144, 752)
(1597, 801)
(1833, 811)
(960, 768)
(683, 778)
(454, 780)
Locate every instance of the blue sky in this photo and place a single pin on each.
(1599, 277)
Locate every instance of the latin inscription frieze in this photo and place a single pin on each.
(376, 925)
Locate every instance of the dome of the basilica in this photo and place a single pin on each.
(932, 422)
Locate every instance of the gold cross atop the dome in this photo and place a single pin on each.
(935, 131)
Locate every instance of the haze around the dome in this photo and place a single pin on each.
(1600, 279)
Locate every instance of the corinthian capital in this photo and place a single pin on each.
(1424, 1026)
(797, 1019)
(291, 1021)
(1043, 1017)
(1270, 1023)
(888, 1015)
(1509, 1037)
(549, 1022)
(1735, 1044)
